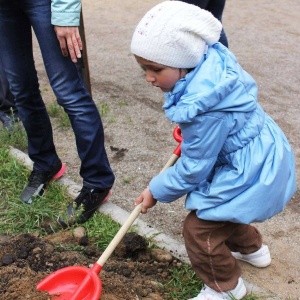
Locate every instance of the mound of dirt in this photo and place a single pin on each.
(132, 272)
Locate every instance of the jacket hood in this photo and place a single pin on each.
(218, 83)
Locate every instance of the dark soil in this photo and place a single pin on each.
(130, 273)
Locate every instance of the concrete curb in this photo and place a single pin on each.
(120, 216)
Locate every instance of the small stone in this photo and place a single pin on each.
(49, 249)
(79, 232)
(161, 255)
(36, 250)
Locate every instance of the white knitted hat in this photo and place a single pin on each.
(174, 33)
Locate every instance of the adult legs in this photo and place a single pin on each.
(216, 7)
(71, 93)
(67, 86)
(16, 55)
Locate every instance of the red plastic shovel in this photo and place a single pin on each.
(82, 283)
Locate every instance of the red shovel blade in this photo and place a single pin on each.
(72, 283)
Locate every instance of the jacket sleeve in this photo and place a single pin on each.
(202, 142)
(65, 12)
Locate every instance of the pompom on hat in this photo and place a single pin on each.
(175, 34)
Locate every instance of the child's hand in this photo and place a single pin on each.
(147, 199)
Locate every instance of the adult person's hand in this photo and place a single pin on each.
(69, 40)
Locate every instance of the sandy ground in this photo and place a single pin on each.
(265, 37)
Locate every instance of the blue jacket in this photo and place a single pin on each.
(236, 163)
(65, 12)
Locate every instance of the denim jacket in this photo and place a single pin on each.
(236, 164)
(65, 12)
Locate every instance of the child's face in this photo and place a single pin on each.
(160, 75)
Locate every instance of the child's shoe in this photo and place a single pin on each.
(209, 294)
(260, 259)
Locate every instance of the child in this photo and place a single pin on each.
(236, 166)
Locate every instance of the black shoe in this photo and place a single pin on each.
(39, 180)
(84, 206)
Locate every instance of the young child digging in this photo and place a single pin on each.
(236, 166)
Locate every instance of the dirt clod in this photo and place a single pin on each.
(133, 274)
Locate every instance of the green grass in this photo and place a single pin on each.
(56, 111)
(126, 180)
(185, 283)
(17, 138)
(103, 110)
(102, 229)
(17, 217)
(252, 297)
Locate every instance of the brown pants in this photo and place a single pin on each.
(209, 245)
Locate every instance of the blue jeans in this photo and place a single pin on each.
(17, 17)
(216, 7)
(7, 104)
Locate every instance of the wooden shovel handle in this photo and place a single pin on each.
(122, 231)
